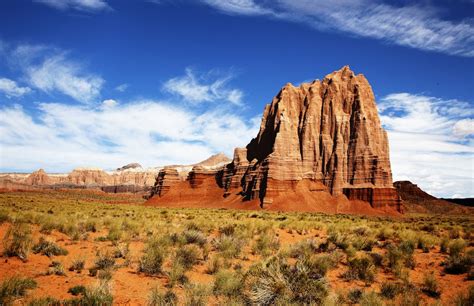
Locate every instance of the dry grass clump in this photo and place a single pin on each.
(152, 259)
(14, 288)
(361, 268)
(48, 248)
(159, 298)
(17, 241)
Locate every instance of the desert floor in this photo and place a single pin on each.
(124, 253)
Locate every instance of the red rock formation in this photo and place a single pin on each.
(38, 177)
(325, 131)
(317, 142)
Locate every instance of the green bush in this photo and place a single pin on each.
(17, 241)
(266, 244)
(46, 301)
(177, 275)
(104, 261)
(15, 287)
(48, 248)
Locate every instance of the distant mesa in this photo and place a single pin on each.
(415, 200)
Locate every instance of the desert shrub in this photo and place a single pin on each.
(115, 233)
(105, 275)
(426, 242)
(194, 236)
(402, 253)
(266, 244)
(45, 301)
(389, 290)
(361, 268)
(15, 287)
(354, 295)
(121, 250)
(304, 248)
(370, 299)
(385, 233)
(97, 295)
(187, 256)
(104, 261)
(77, 290)
(177, 274)
(410, 297)
(276, 282)
(458, 263)
(456, 247)
(56, 268)
(465, 299)
(158, 298)
(227, 230)
(48, 248)
(17, 241)
(443, 245)
(377, 259)
(4, 216)
(151, 261)
(455, 232)
(229, 246)
(196, 295)
(77, 265)
(215, 264)
(228, 283)
(430, 285)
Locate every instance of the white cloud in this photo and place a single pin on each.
(60, 137)
(80, 5)
(11, 89)
(57, 73)
(122, 87)
(417, 26)
(51, 70)
(430, 143)
(200, 89)
(464, 127)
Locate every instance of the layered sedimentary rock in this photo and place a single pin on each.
(317, 138)
(326, 131)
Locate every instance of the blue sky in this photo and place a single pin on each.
(104, 83)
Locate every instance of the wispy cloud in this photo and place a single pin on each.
(417, 26)
(122, 87)
(51, 70)
(431, 142)
(198, 89)
(11, 89)
(151, 132)
(79, 5)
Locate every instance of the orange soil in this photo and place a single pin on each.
(132, 288)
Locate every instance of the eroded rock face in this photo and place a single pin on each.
(326, 131)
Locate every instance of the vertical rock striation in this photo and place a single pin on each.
(326, 131)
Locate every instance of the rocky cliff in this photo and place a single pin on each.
(320, 137)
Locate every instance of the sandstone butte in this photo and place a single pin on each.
(320, 147)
